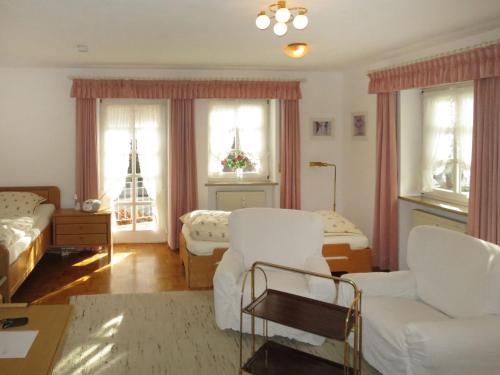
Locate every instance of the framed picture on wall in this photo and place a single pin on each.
(322, 128)
(358, 124)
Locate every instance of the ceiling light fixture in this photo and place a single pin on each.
(282, 15)
(296, 50)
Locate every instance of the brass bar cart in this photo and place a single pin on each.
(325, 319)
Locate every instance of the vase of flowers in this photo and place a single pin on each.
(236, 161)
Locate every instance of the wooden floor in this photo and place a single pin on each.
(136, 268)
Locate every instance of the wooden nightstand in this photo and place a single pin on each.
(73, 228)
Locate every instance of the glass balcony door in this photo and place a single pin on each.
(132, 150)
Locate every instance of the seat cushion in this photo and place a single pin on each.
(456, 346)
(384, 323)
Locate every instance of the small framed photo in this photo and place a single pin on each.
(359, 125)
(322, 128)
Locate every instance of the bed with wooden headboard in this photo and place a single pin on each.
(19, 270)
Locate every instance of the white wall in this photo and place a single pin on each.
(358, 174)
(37, 130)
(37, 123)
(358, 157)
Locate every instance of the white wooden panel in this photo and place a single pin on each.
(233, 200)
(420, 217)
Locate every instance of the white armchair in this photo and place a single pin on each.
(286, 237)
(440, 317)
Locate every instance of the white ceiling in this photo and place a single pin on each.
(222, 33)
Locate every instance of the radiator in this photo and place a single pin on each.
(420, 217)
(232, 200)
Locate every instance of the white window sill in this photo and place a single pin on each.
(240, 183)
(435, 203)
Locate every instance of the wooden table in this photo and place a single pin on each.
(50, 321)
(74, 228)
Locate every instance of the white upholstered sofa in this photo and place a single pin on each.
(440, 317)
(286, 237)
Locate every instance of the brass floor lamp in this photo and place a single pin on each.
(324, 164)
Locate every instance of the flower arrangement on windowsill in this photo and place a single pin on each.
(237, 161)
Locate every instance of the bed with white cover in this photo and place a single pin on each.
(204, 239)
(25, 232)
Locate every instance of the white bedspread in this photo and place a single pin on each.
(12, 229)
(17, 233)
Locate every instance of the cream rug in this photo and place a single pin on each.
(160, 333)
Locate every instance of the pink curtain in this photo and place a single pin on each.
(182, 172)
(469, 65)
(184, 89)
(290, 155)
(385, 223)
(484, 199)
(87, 180)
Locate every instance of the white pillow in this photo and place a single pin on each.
(190, 217)
(19, 203)
(211, 227)
(333, 222)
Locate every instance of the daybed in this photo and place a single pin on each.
(344, 252)
(16, 265)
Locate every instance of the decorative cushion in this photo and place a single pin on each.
(333, 222)
(19, 203)
(211, 227)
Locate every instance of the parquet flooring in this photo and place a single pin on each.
(136, 268)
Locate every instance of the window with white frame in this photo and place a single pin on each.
(447, 142)
(238, 140)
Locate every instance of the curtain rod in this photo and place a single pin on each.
(188, 79)
(436, 56)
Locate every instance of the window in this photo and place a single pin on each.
(447, 142)
(238, 139)
(132, 155)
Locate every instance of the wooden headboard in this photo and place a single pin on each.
(52, 193)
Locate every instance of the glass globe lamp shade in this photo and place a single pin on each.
(282, 15)
(262, 21)
(300, 21)
(280, 28)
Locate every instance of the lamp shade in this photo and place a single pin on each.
(282, 14)
(280, 28)
(300, 21)
(296, 50)
(262, 21)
